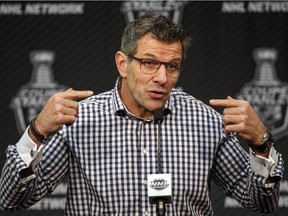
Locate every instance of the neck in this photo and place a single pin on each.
(132, 107)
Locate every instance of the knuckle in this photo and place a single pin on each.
(227, 128)
(242, 128)
(76, 113)
(244, 119)
(246, 105)
(56, 98)
(225, 118)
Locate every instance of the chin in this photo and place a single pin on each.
(156, 107)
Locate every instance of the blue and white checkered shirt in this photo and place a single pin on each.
(108, 154)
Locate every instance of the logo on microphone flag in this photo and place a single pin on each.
(159, 184)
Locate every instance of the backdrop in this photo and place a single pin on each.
(239, 49)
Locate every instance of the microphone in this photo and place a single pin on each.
(159, 185)
(158, 116)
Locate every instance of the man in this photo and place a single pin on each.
(107, 143)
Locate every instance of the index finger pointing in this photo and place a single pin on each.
(74, 95)
(222, 102)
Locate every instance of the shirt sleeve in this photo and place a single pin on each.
(49, 166)
(263, 166)
(27, 149)
(244, 177)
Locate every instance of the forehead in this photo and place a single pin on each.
(149, 45)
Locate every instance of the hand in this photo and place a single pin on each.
(60, 109)
(240, 117)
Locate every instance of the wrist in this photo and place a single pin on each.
(265, 146)
(39, 138)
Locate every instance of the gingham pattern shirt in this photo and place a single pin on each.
(108, 154)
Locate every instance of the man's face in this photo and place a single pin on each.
(142, 93)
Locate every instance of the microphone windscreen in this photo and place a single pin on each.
(158, 116)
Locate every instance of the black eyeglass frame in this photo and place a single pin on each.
(166, 64)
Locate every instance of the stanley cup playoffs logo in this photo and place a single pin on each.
(31, 97)
(267, 94)
(170, 8)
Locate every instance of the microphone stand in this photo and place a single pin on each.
(160, 203)
(159, 149)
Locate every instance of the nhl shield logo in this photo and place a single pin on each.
(267, 94)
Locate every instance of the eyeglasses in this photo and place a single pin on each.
(151, 66)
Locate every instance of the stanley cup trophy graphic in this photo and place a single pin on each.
(171, 8)
(265, 73)
(31, 98)
(267, 94)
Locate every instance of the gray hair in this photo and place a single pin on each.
(158, 26)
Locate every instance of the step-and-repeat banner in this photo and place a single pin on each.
(240, 49)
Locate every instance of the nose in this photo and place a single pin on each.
(161, 75)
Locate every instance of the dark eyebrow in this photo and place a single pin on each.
(152, 56)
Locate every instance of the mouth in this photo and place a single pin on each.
(156, 94)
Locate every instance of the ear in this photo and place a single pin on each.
(121, 63)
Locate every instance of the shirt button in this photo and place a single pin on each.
(23, 189)
(145, 182)
(144, 151)
(32, 153)
(146, 213)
